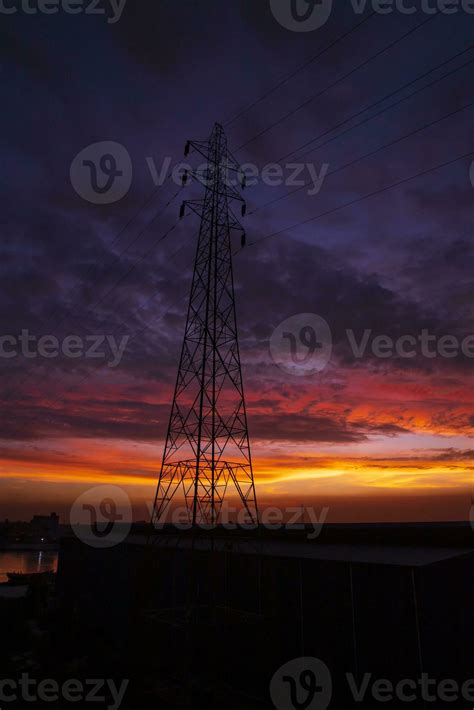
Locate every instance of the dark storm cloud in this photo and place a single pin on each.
(454, 455)
(304, 279)
(164, 73)
(139, 420)
(284, 426)
(308, 280)
(102, 419)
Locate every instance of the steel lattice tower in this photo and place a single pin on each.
(207, 450)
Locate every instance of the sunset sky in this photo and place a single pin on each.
(371, 438)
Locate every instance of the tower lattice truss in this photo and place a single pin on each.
(207, 451)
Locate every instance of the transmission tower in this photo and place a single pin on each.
(207, 451)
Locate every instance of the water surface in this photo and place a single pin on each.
(26, 561)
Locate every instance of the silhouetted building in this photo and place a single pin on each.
(45, 527)
(224, 614)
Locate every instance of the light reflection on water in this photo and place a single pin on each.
(26, 561)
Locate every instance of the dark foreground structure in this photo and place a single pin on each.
(206, 620)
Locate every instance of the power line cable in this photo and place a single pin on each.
(367, 155)
(299, 69)
(379, 101)
(360, 199)
(336, 82)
